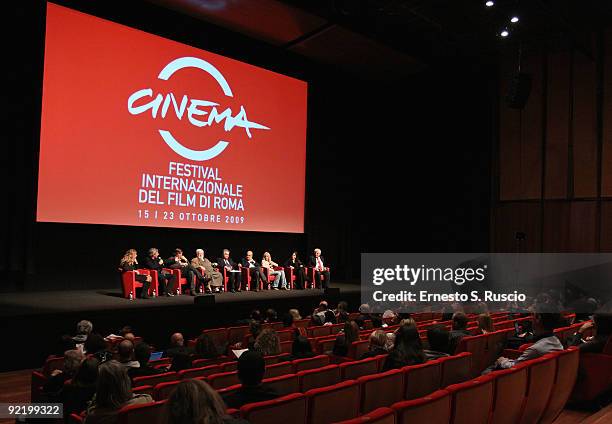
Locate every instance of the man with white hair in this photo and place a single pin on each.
(83, 330)
(205, 273)
(320, 270)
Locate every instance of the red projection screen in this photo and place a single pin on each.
(141, 130)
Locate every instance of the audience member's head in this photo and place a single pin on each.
(330, 317)
(95, 343)
(255, 328)
(390, 341)
(351, 332)
(287, 320)
(301, 346)
(114, 387)
(72, 361)
(129, 336)
(84, 327)
(87, 374)
(378, 340)
(205, 347)
(268, 343)
(125, 350)
(180, 361)
(256, 315)
(142, 353)
(251, 368)
(295, 314)
(408, 321)
(194, 401)
(177, 340)
(271, 315)
(460, 321)
(342, 306)
(485, 323)
(438, 337)
(364, 309)
(323, 306)
(407, 341)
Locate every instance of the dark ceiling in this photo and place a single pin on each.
(392, 38)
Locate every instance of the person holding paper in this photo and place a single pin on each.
(231, 268)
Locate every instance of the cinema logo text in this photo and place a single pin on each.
(196, 111)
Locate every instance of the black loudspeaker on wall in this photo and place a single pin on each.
(518, 91)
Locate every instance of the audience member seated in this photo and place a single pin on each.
(378, 341)
(251, 370)
(205, 348)
(544, 322)
(295, 314)
(76, 395)
(459, 331)
(287, 320)
(301, 348)
(596, 343)
(55, 383)
(126, 354)
(129, 262)
(177, 345)
(407, 349)
(96, 345)
(113, 391)
(485, 324)
(271, 316)
(180, 361)
(438, 337)
(318, 315)
(267, 343)
(408, 321)
(84, 329)
(329, 318)
(129, 336)
(342, 314)
(344, 339)
(194, 401)
(142, 353)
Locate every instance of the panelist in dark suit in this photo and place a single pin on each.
(254, 270)
(165, 280)
(129, 262)
(298, 270)
(178, 261)
(234, 277)
(318, 263)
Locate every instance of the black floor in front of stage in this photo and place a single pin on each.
(33, 322)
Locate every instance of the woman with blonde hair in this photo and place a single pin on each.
(268, 263)
(129, 262)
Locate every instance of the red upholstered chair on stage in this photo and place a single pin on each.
(310, 277)
(179, 279)
(271, 278)
(247, 281)
(291, 276)
(129, 283)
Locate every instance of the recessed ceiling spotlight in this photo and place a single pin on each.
(504, 33)
(514, 19)
(489, 3)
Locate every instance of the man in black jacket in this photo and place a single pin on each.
(228, 263)
(178, 261)
(255, 271)
(165, 279)
(320, 269)
(251, 369)
(142, 353)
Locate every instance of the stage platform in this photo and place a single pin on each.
(36, 320)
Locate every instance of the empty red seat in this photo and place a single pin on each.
(283, 385)
(236, 334)
(334, 403)
(432, 409)
(541, 377)
(324, 344)
(199, 372)
(286, 347)
(565, 377)
(218, 336)
(229, 366)
(378, 416)
(355, 369)
(477, 346)
(285, 335)
(223, 379)
(594, 376)
(381, 389)
(152, 380)
(198, 363)
(510, 390)
(422, 379)
(310, 363)
(276, 370)
(275, 359)
(318, 377)
(287, 409)
(456, 369)
(163, 390)
(143, 413)
(472, 401)
(358, 348)
(318, 331)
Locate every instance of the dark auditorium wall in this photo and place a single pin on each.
(553, 174)
(399, 165)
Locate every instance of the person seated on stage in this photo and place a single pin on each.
(407, 349)
(96, 345)
(439, 338)
(603, 334)
(113, 392)
(129, 262)
(255, 271)
(178, 261)
(84, 329)
(318, 263)
(298, 270)
(251, 370)
(344, 339)
(279, 276)
(194, 401)
(166, 281)
(55, 383)
(378, 341)
(301, 348)
(205, 348)
(142, 354)
(205, 273)
(227, 263)
(76, 395)
(267, 343)
(459, 331)
(126, 354)
(177, 345)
